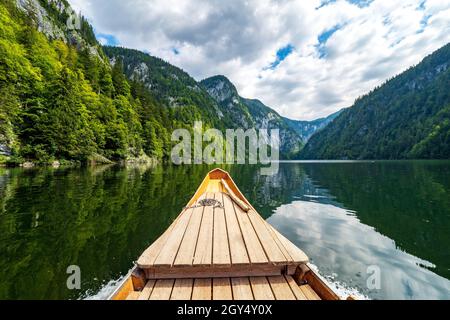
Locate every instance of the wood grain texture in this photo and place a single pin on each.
(222, 289)
(162, 290)
(255, 250)
(261, 288)
(271, 249)
(147, 291)
(203, 252)
(221, 249)
(182, 289)
(309, 292)
(202, 289)
(281, 288)
(242, 290)
(238, 250)
(185, 256)
(299, 295)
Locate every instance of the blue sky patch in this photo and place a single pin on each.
(281, 55)
(325, 3)
(107, 39)
(422, 5)
(424, 23)
(323, 38)
(425, 18)
(359, 3)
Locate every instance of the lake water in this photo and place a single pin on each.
(351, 218)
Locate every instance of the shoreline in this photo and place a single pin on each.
(95, 160)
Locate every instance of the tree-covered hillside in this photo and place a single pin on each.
(171, 86)
(408, 117)
(61, 99)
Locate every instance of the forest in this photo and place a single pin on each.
(62, 101)
(406, 118)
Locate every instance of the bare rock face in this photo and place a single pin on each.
(249, 114)
(68, 32)
(5, 150)
(44, 22)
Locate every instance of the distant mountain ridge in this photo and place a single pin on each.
(306, 129)
(406, 118)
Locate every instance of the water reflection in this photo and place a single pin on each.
(348, 216)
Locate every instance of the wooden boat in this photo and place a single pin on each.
(220, 248)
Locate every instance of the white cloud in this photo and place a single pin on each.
(102, 40)
(240, 39)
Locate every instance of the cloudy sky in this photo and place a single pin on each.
(305, 59)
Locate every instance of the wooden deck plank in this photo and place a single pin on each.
(162, 290)
(182, 289)
(299, 295)
(169, 251)
(242, 289)
(222, 289)
(133, 295)
(309, 292)
(221, 249)
(281, 288)
(261, 288)
(147, 291)
(297, 255)
(202, 289)
(148, 257)
(279, 243)
(214, 186)
(254, 249)
(273, 253)
(238, 250)
(185, 256)
(203, 252)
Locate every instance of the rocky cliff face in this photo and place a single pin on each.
(229, 101)
(57, 20)
(247, 113)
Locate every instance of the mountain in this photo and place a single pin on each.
(248, 113)
(170, 85)
(60, 99)
(65, 97)
(306, 129)
(406, 118)
(215, 100)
